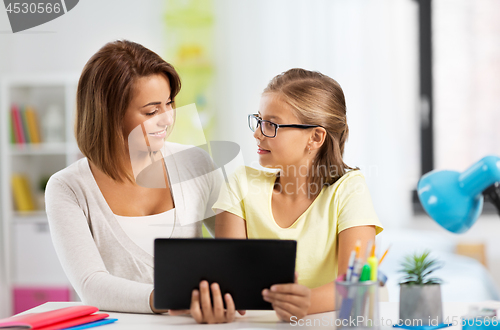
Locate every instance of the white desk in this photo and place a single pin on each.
(252, 320)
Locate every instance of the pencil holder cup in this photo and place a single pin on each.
(357, 305)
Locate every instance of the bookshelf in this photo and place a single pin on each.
(45, 103)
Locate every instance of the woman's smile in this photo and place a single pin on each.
(160, 134)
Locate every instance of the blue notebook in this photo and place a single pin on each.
(93, 324)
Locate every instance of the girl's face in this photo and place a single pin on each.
(148, 114)
(290, 146)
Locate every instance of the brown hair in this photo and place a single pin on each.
(317, 99)
(105, 90)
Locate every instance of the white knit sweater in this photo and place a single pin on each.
(106, 268)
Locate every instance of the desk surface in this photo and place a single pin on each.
(252, 320)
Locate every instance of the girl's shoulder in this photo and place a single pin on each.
(352, 181)
(246, 173)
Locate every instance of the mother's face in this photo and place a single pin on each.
(149, 114)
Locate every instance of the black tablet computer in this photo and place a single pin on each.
(242, 267)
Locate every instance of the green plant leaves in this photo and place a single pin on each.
(418, 268)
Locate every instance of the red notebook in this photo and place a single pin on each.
(56, 319)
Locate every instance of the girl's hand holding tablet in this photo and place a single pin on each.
(202, 309)
(289, 299)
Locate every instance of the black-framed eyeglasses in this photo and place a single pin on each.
(268, 128)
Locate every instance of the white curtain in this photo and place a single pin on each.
(369, 47)
(467, 81)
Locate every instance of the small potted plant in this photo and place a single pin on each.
(420, 294)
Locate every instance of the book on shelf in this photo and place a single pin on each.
(17, 124)
(24, 125)
(21, 192)
(11, 128)
(32, 123)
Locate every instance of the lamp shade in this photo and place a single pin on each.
(455, 200)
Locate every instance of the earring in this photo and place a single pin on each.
(309, 149)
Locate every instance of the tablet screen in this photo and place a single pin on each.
(241, 267)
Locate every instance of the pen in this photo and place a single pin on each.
(360, 300)
(352, 258)
(347, 303)
(350, 267)
(352, 275)
(382, 278)
(365, 273)
(342, 290)
(383, 256)
(357, 270)
(363, 302)
(373, 262)
(368, 249)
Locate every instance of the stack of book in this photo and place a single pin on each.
(75, 317)
(24, 125)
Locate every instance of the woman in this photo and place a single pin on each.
(106, 209)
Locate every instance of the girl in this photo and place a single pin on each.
(106, 209)
(314, 198)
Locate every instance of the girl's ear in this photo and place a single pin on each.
(317, 138)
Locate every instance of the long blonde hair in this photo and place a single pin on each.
(317, 99)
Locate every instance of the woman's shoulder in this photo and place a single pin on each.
(71, 176)
(72, 171)
(68, 183)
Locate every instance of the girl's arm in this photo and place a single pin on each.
(291, 299)
(228, 225)
(323, 297)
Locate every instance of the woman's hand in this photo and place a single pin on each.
(201, 305)
(151, 304)
(289, 300)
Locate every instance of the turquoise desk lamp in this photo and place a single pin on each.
(455, 200)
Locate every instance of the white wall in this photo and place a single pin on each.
(66, 43)
(466, 81)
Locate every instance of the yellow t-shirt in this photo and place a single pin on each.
(345, 204)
